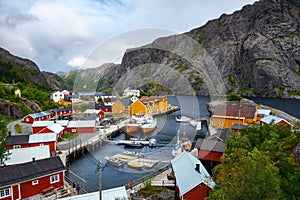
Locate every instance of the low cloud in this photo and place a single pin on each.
(19, 19)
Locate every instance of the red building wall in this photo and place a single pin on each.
(28, 190)
(199, 192)
(210, 155)
(28, 119)
(82, 130)
(52, 145)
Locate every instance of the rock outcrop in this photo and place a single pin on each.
(252, 52)
(25, 70)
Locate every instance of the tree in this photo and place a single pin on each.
(259, 163)
(3, 152)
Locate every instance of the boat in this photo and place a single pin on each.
(152, 142)
(182, 119)
(135, 154)
(113, 162)
(149, 125)
(198, 126)
(196, 123)
(134, 144)
(136, 165)
(180, 146)
(144, 124)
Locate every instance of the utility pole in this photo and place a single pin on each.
(100, 179)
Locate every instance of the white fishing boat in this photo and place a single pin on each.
(180, 146)
(182, 118)
(149, 126)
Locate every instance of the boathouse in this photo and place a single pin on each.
(38, 126)
(225, 115)
(33, 178)
(192, 180)
(212, 148)
(81, 126)
(155, 104)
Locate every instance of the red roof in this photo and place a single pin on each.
(246, 110)
(146, 99)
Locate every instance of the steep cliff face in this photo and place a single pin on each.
(14, 68)
(254, 51)
(257, 49)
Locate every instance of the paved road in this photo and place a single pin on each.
(26, 128)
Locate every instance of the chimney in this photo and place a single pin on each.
(9, 134)
(33, 160)
(198, 168)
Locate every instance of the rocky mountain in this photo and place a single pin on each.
(254, 52)
(16, 69)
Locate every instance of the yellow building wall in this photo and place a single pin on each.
(118, 108)
(65, 103)
(225, 122)
(137, 108)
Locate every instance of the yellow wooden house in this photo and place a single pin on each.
(229, 114)
(155, 104)
(137, 108)
(120, 106)
(65, 102)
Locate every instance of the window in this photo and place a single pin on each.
(5, 192)
(221, 122)
(17, 146)
(73, 130)
(27, 120)
(35, 182)
(41, 144)
(54, 178)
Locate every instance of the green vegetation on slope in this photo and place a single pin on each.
(259, 163)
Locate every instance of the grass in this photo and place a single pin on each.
(67, 136)
(18, 128)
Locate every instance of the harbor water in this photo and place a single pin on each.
(165, 134)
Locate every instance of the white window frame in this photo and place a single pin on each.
(35, 182)
(54, 178)
(73, 130)
(41, 144)
(5, 193)
(17, 146)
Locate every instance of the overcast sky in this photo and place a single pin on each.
(58, 35)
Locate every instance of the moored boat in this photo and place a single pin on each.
(149, 126)
(113, 162)
(182, 119)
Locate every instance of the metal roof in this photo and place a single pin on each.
(81, 124)
(30, 170)
(268, 119)
(56, 128)
(263, 112)
(44, 137)
(23, 155)
(40, 114)
(49, 123)
(110, 194)
(186, 176)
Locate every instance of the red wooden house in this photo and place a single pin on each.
(25, 141)
(81, 126)
(32, 178)
(276, 121)
(41, 116)
(211, 149)
(100, 113)
(54, 128)
(191, 178)
(38, 126)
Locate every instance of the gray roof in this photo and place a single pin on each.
(239, 126)
(268, 119)
(126, 102)
(41, 114)
(22, 155)
(210, 145)
(186, 176)
(110, 194)
(17, 139)
(30, 170)
(221, 134)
